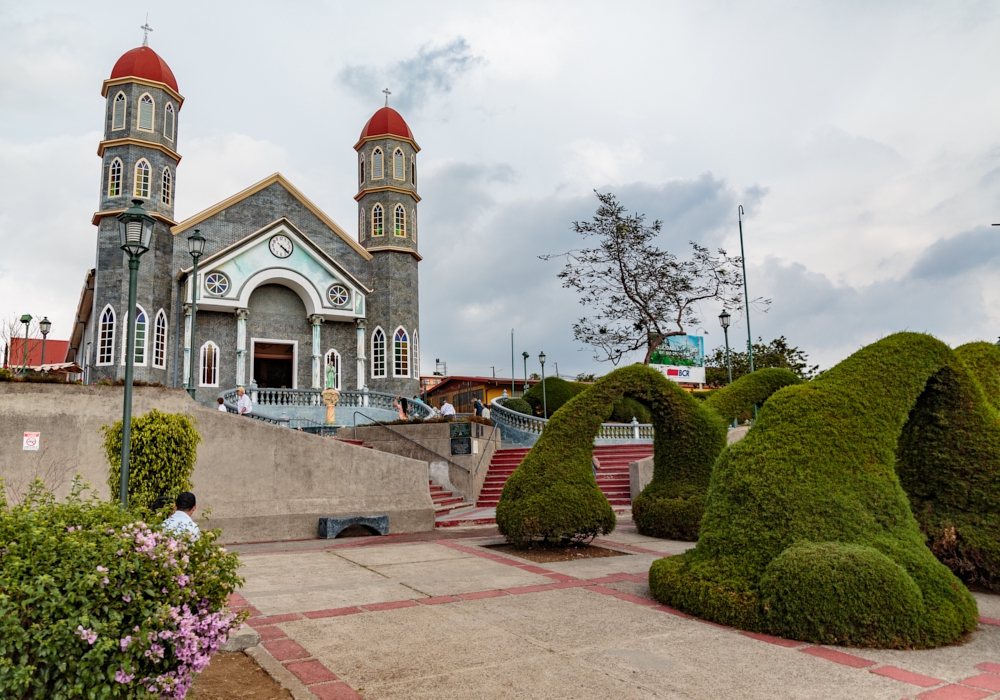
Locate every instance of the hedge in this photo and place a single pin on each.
(553, 495)
(626, 408)
(519, 405)
(807, 508)
(748, 391)
(557, 393)
(164, 447)
(948, 461)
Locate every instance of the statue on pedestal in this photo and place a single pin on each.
(330, 395)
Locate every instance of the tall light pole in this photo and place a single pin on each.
(45, 325)
(511, 363)
(135, 230)
(545, 404)
(26, 320)
(524, 389)
(724, 322)
(746, 296)
(196, 246)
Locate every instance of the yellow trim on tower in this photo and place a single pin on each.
(254, 189)
(142, 81)
(397, 249)
(386, 188)
(98, 215)
(379, 137)
(138, 142)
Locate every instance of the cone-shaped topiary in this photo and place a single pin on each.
(948, 461)
(553, 494)
(807, 512)
(557, 393)
(749, 390)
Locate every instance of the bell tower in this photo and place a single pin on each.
(388, 228)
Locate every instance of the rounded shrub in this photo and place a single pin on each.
(557, 393)
(519, 405)
(820, 465)
(96, 603)
(833, 593)
(748, 391)
(626, 408)
(164, 447)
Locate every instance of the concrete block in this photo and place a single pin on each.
(640, 473)
(240, 639)
(329, 528)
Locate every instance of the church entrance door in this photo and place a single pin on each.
(274, 365)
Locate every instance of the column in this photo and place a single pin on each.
(241, 346)
(361, 353)
(187, 345)
(316, 320)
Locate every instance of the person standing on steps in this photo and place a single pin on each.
(447, 409)
(244, 405)
(477, 406)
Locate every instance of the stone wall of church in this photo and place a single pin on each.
(394, 303)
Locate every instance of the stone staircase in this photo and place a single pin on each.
(612, 472)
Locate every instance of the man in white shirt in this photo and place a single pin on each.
(447, 409)
(180, 521)
(243, 403)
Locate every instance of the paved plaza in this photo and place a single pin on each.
(437, 615)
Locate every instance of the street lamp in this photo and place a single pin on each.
(724, 322)
(26, 320)
(196, 246)
(45, 325)
(746, 298)
(525, 389)
(545, 405)
(135, 230)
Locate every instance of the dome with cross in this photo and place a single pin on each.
(143, 62)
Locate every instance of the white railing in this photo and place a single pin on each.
(525, 429)
(270, 399)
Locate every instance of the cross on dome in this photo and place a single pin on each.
(146, 29)
(387, 93)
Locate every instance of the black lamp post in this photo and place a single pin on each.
(724, 322)
(524, 390)
(45, 325)
(196, 246)
(135, 231)
(26, 320)
(545, 405)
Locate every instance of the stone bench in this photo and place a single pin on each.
(329, 528)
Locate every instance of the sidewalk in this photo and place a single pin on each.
(447, 618)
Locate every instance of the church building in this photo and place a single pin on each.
(283, 291)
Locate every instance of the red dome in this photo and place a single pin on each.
(144, 63)
(386, 122)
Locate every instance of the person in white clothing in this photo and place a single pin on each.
(243, 403)
(447, 409)
(222, 405)
(181, 521)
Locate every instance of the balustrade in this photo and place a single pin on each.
(533, 425)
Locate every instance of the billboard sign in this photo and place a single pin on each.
(681, 358)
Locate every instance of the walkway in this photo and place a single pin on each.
(437, 615)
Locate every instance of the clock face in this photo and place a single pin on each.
(281, 246)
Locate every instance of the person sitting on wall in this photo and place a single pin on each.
(447, 409)
(222, 405)
(181, 521)
(400, 404)
(243, 403)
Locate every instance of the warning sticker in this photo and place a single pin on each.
(31, 440)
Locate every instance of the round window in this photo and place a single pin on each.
(217, 283)
(338, 295)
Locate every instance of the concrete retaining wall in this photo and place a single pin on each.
(262, 482)
(433, 444)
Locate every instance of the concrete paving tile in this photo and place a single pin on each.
(658, 545)
(335, 594)
(400, 554)
(951, 663)
(989, 604)
(596, 568)
(454, 576)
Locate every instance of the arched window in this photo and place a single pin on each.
(168, 121)
(166, 191)
(413, 170)
(106, 342)
(398, 165)
(209, 364)
(378, 353)
(416, 355)
(140, 337)
(400, 354)
(142, 179)
(361, 225)
(377, 220)
(115, 178)
(361, 171)
(118, 112)
(332, 360)
(377, 164)
(413, 224)
(400, 220)
(145, 113)
(160, 340)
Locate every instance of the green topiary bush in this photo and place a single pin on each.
(625, 409)
(164, 447)
(553, 495)
(983, 361)
(95, 603)
(819, 467)
(519, 405)
(749, 390)
(557, 393)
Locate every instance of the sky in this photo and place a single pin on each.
(861, 138)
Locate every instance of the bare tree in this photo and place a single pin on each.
(642, 295)
(55, 473)
(10, 328)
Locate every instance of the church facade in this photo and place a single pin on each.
(283, 291)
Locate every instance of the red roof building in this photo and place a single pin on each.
(55, 352)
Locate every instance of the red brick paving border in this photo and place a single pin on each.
(838, 657)
(286, 649)
(270, 633)
(527, 589)
(777, 641)
(390, 606)
(334, 691)
(910, 677)
(992, 668)
(256, 622)
(438, 600)
(953, 692)
(986, 681)
(331, 612)
(311, 671)
(478, 595)
(989, 621)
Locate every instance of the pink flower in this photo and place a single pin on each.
(89, 635)
(125, 642)
(122, 677)
(102, 569)
(127, 598)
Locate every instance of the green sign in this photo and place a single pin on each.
(461, 430)
(461, 446)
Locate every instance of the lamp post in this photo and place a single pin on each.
(26, 320)
(196, 246)
(45, 325)
(746, 298)
(724, 322)
(545, 405)
(135, 230)
(511, 363)
(524, 389)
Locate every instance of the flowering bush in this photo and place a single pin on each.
(96, 603)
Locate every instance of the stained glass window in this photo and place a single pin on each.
(142, 179)
(210, 364)
(166, 191)
(338, 295)
(401, 354)
(115, 178)
(400, 220)
(217, 283)
(377, 220)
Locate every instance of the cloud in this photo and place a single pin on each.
(433, 71)
(949, 257)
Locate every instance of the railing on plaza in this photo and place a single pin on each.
(269, 400)
(525, 429)
(231, 408)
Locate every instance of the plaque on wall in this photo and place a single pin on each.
(461, 445)
(461, 430)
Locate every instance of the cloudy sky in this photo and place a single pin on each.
(862, 138)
